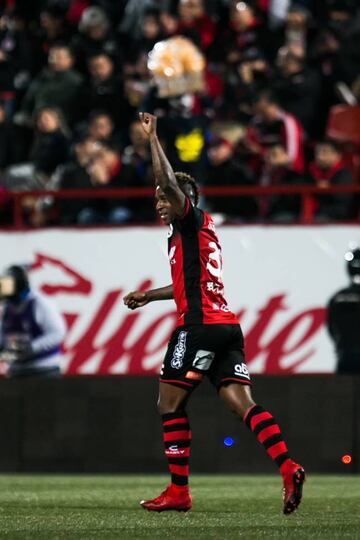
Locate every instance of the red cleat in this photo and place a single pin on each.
(293, 480)
(173, 498)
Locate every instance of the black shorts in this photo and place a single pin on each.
(215, 350)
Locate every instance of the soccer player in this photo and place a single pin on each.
(208, 338)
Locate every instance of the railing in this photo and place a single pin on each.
(306, 194)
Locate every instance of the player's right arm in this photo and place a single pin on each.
(137, 299)
(163, 172)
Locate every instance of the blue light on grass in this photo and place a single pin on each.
(228, 441)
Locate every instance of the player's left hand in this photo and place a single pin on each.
(148, 123)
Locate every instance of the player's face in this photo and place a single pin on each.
(163, 207)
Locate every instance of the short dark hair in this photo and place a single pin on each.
(99, 54)
(267, 94)
(335, 145)
(95, 113)
(62, 45)
(185, 181)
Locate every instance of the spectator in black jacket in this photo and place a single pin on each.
(279, 172)
(57, 85)
(54, 29)
(106, 87)
(225, 170)
(7, 142)
(15, 59)
(327, 170)
(74, 175)
(95, 36)
(337, 44)
(52, 142)
(298, 87)
(101, 128)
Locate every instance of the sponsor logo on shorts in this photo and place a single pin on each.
(179, 351)
(194, 375)
(241, 370)
(203, 360)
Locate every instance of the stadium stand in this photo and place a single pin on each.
(277, 83)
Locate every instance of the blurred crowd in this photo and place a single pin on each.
(74, 74)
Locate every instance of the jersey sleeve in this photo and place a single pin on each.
(191, 220)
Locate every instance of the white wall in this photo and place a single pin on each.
(278, 279)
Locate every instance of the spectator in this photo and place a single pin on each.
(270, 125)
(95, 36)
(51, 145)
(50, 149)
(15, 59)
(298, 88)
(7, 146)
(53, 29)
(137, 171)
(298, 31)
(151, 33)
(278, 172)
(328, 169)
(225, 170)
(100, 127)
(32, 328)
(243, 32)
(137, 156)
(106, 88)
(105, 172)
(74, 175)
(337, 42)
(195, 23)
(58, 85)
(242, 81)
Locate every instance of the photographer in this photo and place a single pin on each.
(31, 329)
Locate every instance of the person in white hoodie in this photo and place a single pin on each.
(31, 328)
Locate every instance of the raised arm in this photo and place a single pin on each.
(137, 299)
(163, 172)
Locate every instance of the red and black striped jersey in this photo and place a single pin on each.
(196, 269)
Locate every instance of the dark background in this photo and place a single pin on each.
(110, 424)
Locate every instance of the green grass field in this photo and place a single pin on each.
(87, 507)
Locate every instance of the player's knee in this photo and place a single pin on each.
(239, 409)
(238, 402)
(167, 406)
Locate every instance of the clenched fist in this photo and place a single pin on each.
(148, 122)
(136, 299)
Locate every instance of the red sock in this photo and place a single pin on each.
(268, 433)
(177, 438)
